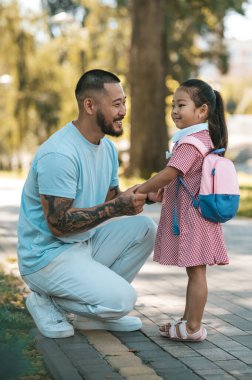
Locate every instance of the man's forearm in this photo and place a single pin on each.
(113, 193)
(63, 219)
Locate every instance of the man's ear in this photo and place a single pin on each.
(89, 106)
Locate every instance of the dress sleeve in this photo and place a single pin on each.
(57, 176)
(184, 157)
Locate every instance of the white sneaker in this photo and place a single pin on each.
(49, 320)
(126, 323)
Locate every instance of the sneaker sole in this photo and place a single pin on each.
(48, 334)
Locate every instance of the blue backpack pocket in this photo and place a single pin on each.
(219, 208)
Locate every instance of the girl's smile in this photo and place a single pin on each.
(184, 112)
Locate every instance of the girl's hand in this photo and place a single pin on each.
(156, 196)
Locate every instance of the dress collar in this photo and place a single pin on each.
(188, 131)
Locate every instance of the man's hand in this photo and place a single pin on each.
(131, 203)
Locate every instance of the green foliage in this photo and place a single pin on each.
(245, 207)
(17, 345)
(46, 57)
(198, 36)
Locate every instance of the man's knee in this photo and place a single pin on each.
(151, 227)
(114, 305)
(146, 229)
(124, 301)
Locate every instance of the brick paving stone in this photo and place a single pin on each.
(198, 363)
(229, 306)
(237, 321)
(168, 363)
(218, 337)
(244, 376)
(164, 364)
(211, 372)
(201, 345)
(87, 371)
(144, 377)
(134, 371)
(247, 359)
(73, 358)
(178, 374)
(59, 365)
(215, 354)
(125, 360)
(102, 376)
(229, 345)
(234, 367)
(224, 376)
(181, 351)
(142, 345)
(240, 352)
(153, 354)
(245, 340)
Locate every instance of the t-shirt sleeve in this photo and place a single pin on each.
(114, 177)
(57, 176)
(184, 157)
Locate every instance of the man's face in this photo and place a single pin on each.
(111, 110)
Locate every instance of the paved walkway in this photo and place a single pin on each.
(144, 355)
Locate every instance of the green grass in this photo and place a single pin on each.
(245, 182)
(19, 358)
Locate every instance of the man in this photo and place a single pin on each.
(70, 260)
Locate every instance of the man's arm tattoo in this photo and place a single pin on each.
(63, 219)
(113, 193)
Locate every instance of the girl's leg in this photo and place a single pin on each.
(196, 297)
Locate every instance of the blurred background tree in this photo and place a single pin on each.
(151, 45)
(170, 40)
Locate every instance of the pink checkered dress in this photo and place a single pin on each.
(200, 242)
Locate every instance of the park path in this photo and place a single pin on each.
(144, 355)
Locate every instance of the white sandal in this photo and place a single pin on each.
(198, 336)
(167, 326)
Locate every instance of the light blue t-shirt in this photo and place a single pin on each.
(66, 165)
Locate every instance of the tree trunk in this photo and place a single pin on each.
(149, 139)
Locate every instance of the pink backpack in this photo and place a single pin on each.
(218, 199)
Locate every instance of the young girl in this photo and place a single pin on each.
(197, 110)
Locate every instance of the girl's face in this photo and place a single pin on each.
(184, 112)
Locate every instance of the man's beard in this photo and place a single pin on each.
(107, 128)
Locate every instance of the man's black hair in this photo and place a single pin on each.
(93, 80)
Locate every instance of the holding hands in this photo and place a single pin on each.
(131, 203)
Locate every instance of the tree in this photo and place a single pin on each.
(19, 44)
(180, 23)
(147, 82)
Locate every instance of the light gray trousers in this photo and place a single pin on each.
(92, 278)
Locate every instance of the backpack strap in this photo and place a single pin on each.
(195, 201)
(204, 151)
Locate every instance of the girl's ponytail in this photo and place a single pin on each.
(217, 124)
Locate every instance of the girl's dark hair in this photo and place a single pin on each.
(93, 80)
(201, 93)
